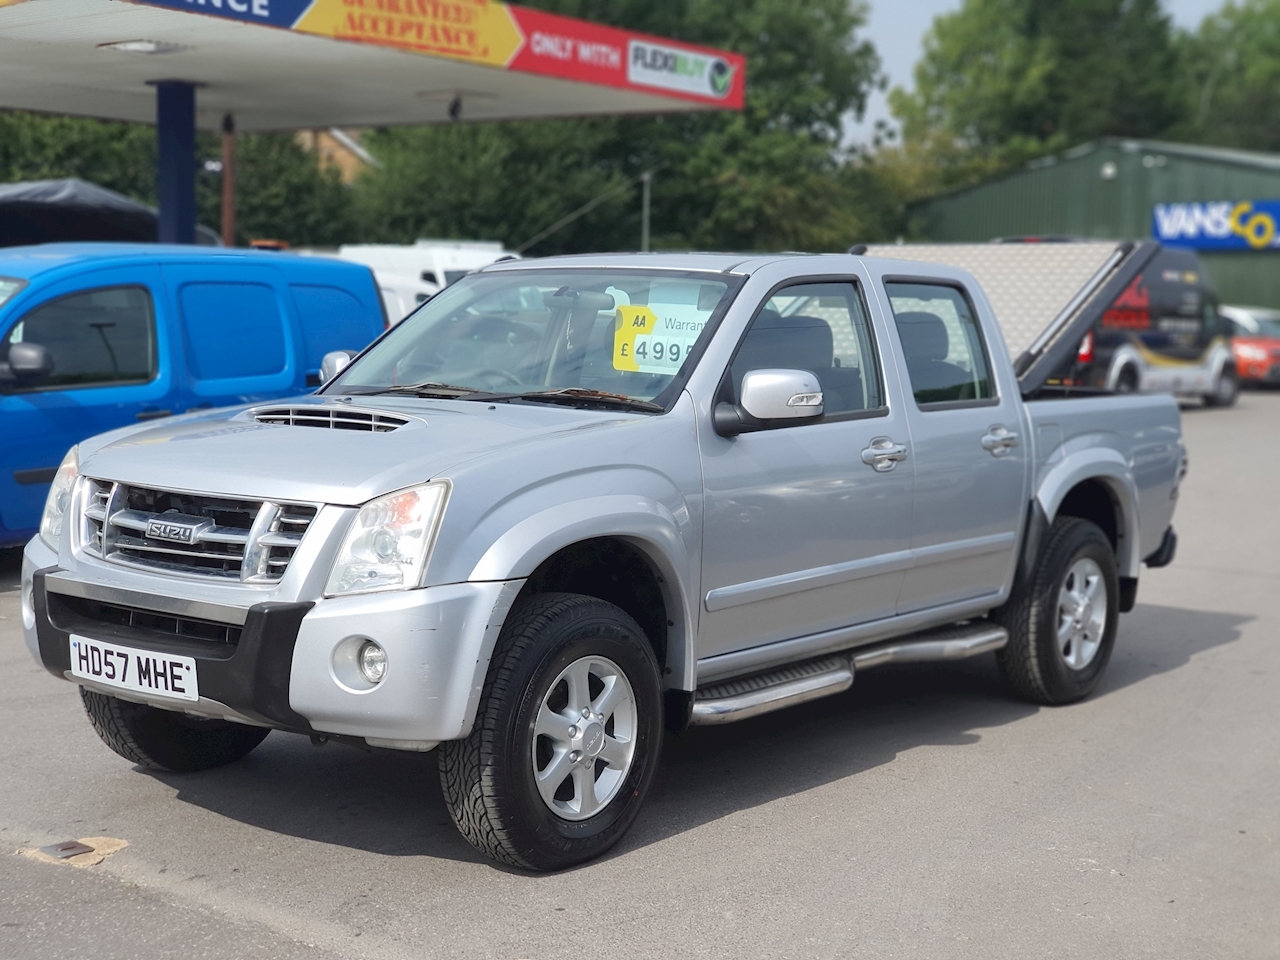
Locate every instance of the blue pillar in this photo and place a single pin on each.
(176, 160)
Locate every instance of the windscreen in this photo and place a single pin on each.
(530, 333)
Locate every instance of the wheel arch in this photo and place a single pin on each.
(623, 549)
(1126, 358)
(1097, 485)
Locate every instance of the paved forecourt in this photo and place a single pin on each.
(923, 814)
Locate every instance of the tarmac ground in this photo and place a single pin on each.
(923, 814)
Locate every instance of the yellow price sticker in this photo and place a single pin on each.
(632, 322)
(649, 340)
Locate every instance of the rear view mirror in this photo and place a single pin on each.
(29, 361)
(770, 398)
(333, 363)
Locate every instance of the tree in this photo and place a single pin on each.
(764, 178)
(1002, 81)
(282, 191)
(118, 156)
(1234, 62)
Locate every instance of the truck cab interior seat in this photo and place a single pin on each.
(798, 343)
(925, 346)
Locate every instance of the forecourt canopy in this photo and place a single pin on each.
(299, 64)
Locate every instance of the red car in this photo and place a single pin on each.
(1256, 343)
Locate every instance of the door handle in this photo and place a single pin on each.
(883, 454)
(152, 414)
(999, 441)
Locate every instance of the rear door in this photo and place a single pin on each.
(965, 418)
(108, 336)
(239, 334)
(332, 318)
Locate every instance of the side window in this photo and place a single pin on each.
(941, 343)
(822, 328)
(233, 330)
(95, 338)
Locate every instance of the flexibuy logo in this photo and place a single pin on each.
(721, 75)
(671, 68)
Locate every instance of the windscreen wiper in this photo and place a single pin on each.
(429, 389)
(580, 395)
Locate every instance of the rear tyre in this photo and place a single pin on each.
(1062, 619)
(566, 740)
(164, 740)
(1226, 390)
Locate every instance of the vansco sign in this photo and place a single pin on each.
(1218, 225)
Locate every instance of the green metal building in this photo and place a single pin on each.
(1111, 189)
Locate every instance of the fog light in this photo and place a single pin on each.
(373, 662)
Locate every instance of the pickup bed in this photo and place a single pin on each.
(572, 503)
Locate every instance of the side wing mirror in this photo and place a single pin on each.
(770, 398)
(333, 363)
(29, 361)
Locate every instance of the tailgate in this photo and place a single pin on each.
(1045, 296)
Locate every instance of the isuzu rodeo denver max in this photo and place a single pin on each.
(572, 502)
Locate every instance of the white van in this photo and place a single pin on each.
(411, 274)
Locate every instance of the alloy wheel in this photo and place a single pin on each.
(1082, 613)
(584, 738)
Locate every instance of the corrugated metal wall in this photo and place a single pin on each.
(1108, 190)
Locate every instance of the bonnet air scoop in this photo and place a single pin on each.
(332, 417)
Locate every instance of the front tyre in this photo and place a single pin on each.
(164, 740)
(566, 739)
(1062, 620)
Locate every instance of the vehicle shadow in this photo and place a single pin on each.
(10, 568)
(390, 803)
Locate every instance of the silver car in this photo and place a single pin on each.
(571, 504)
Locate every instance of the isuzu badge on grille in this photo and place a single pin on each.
(176, 532)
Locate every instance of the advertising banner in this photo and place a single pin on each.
(1218, 224)
(505, 37)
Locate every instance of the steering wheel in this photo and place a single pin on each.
(491, 372)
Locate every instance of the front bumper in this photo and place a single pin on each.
(286, 664)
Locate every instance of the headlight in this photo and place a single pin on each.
(389, 542)
(55, 505)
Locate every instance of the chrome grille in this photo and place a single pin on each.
(332, 418)
(247, 540)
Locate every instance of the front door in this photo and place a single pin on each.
(970, 459)
(102, 334)
(807, 527)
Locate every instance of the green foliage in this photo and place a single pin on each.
(282, 193)
(1002, 81)
(764, 178)
(491, 181)
(1233, 60)
(118, 156)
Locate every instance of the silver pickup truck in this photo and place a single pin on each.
(573, 503)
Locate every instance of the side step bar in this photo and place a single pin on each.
(801, 682)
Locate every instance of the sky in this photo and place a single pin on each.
(897, 28)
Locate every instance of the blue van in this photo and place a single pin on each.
(94, 336)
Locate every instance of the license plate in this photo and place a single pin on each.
(143, 671)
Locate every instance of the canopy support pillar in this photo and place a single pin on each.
(176, 160)
(228, 181)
